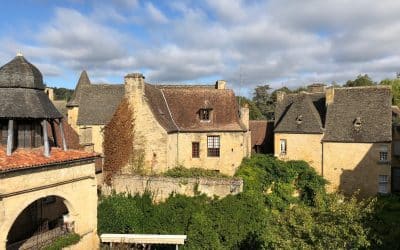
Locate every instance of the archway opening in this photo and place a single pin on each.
(39, 224)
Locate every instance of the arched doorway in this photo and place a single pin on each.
(39, 223)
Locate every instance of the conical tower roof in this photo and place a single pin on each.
(22, 92)
(82, 83)
(19, 73)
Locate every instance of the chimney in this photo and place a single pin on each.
(329, 95)
(316, 88)
(220, 84)
(280, 95)
(244, 115)
(50, 93)
(134, 85)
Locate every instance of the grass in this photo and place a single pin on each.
(63, 241)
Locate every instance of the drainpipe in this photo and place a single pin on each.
(177, 148)
(322, 160)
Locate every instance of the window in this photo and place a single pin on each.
(283, 146)
(213, 145)
(383, 183)
(383, 153)
(204, 114)
(195, 150)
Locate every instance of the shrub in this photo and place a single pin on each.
(181, 171)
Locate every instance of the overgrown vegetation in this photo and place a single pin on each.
(181, 171)
(121, 127)
(62, 93)
(63, 241)
(284, 206)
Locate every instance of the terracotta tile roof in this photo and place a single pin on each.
(184, 103)
(34, 158)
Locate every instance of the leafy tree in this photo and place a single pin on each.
(395, 86)
(361, 80)
(202, 234)
(263, 100)
(254, 112)
(62, 94)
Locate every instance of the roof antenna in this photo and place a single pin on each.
(240, 90)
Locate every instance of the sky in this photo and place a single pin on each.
(248, 43)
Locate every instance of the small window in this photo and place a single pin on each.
(383, 184)
(195, 150)
(283, 146)
(383, 153)
(204, 114)
(357, 123)
(299, 119)
(213, 146)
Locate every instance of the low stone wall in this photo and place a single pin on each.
(162, 187)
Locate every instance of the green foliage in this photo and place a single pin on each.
(63, 241)
(263, 100)
(62, 93)
(278, 180)
(267, 215)
(395, 86)
(181, 171)
(361, 80)
(254, 111)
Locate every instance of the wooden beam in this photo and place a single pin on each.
(64, 142)
(10, 137)
(45, 139)
(53, 132)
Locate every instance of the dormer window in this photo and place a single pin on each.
(205, 114)
(299, 119)
(357, 123)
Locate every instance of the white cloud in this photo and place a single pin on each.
(156, 14)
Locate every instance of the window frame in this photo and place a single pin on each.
(383, 181)
(283, 150)
(195, 149)
(205, 115)
(213, 146)
(384, 154)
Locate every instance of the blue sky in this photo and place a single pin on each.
(248, 43)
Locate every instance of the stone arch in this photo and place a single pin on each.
(31, 198)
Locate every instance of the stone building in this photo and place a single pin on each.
(47, 190)
(90, 109)
(190, 125)
(262, 136)
(344, 133)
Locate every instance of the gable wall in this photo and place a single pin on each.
(305, 147)
(73, 118)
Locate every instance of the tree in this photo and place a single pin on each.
(263, 100)
(395, 86)
(361, 80)
(254, 112)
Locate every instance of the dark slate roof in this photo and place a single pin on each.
(61, 106)
(372, 105)
(77, 95)
(184, 102)
(301, 113)
(98, 103)
(26, 103)
(19, 73)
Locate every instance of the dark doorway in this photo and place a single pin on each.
(395, 179)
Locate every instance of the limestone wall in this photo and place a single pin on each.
(234, 146)
(353, 166)
(162, 187)
(305, 147)
(73, 118)
(76, 185)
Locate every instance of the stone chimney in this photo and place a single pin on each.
(244, 115)
(280, 95)
(134, 85)
(50, 93)
(220, 84)
(316, 88)
(329, 95)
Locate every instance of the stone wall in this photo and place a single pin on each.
(305, 147)
(355, 166)
(73, 118)
(75, 184)
(162, 187)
